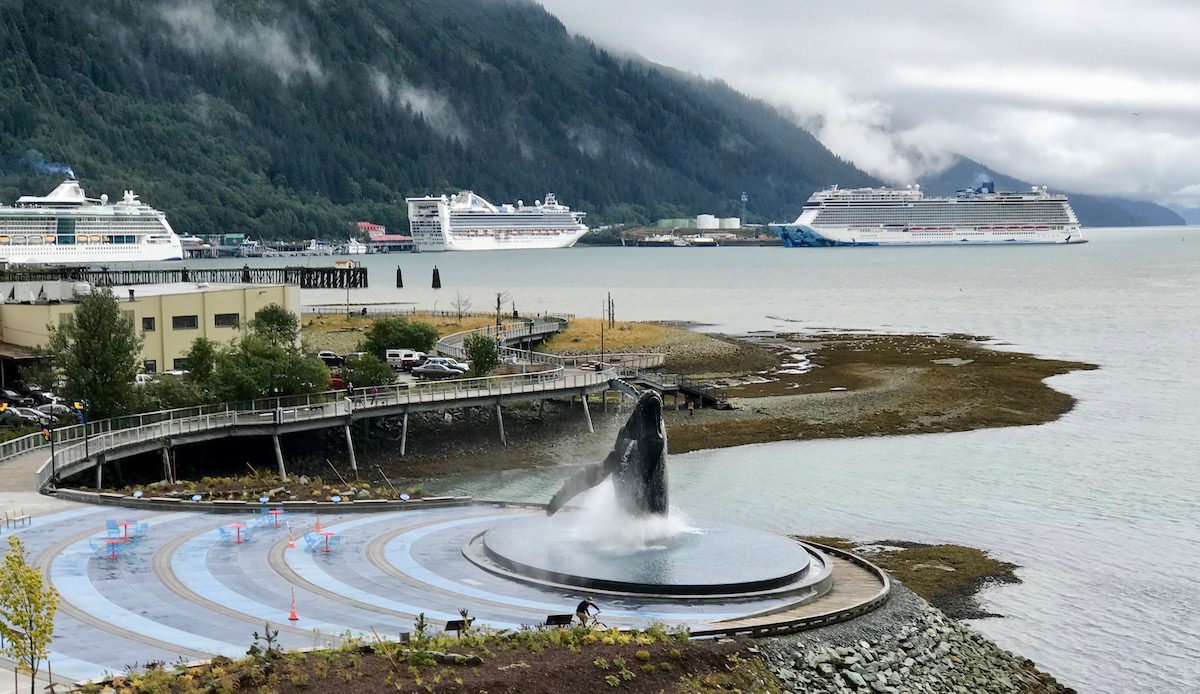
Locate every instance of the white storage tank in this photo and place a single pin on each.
(731, 222)
(706, 221)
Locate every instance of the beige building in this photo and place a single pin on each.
(169, 316)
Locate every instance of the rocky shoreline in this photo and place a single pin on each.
(905, 647)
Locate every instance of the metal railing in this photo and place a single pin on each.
(386, 311)
(76, 444)
(299, 409)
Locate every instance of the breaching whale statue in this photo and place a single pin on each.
(637, 463)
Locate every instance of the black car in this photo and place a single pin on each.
(331, 359)
(12, 397)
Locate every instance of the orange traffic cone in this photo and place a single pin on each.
(292, 616)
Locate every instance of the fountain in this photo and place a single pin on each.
(624, 538)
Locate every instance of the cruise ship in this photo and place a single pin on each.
(466, 222)
(894, 217)
(67, 227)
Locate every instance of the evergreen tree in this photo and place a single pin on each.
(97, 352)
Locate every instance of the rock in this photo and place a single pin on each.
(363, 494)
(303, 479)
(854, 679)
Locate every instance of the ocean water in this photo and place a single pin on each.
(1101, 508)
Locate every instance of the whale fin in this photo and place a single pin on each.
(581, 481)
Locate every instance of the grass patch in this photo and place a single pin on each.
(533, 661)
(948, 576)
(341, 333)
(582, 336)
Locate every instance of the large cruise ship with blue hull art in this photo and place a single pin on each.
(905, 217)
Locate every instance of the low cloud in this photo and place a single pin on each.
(1084, 96)
(200, 29)
(435, 108)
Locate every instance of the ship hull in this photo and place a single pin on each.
(52, 254)
(804, 236)
(499, 242)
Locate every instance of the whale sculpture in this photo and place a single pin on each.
(637, 463)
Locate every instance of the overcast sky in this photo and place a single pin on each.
(1097, 97)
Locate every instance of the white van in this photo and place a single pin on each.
(404, 359)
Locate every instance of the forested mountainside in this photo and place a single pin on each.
(1092, 210)
(294, 119)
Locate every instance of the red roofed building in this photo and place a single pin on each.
(380, 240)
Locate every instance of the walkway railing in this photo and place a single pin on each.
(359, 400)
(76, 445)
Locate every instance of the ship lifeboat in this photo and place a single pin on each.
(3, 239)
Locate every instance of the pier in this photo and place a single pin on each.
(305, 277)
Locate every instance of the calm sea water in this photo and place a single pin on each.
(1101, 509)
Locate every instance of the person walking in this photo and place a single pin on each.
(584, 610)
(691, 407)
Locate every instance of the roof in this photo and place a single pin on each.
(173, 288)
(16, 352)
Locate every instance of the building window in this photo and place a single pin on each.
(150, 366)
(148, 324)
(185, 322)
(226, 320)
(180, 364)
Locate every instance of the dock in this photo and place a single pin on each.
(304, 277)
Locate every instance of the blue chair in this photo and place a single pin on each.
(260, 519)
(225, 534)
(114, 530)
(312, 541)
(334, 541)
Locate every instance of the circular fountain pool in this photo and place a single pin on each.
(697, 559)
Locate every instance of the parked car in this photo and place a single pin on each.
(11, 417)
(404, 359)
(56, 409)
(42, 396)
(336, 382)
(448, 361)
(29, 412)
(355, 356)
(331, 359)
(12, 397)
(436, 371)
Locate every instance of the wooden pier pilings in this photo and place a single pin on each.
(305, 277)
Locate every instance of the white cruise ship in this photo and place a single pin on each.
(68, 227)
(891, 217)
(466, 222)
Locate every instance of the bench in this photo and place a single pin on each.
(559, 620)
(459, 625)
(14, 516)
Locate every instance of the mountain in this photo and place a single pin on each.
(290, 119)
(1191, 215)
(1092, 210)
